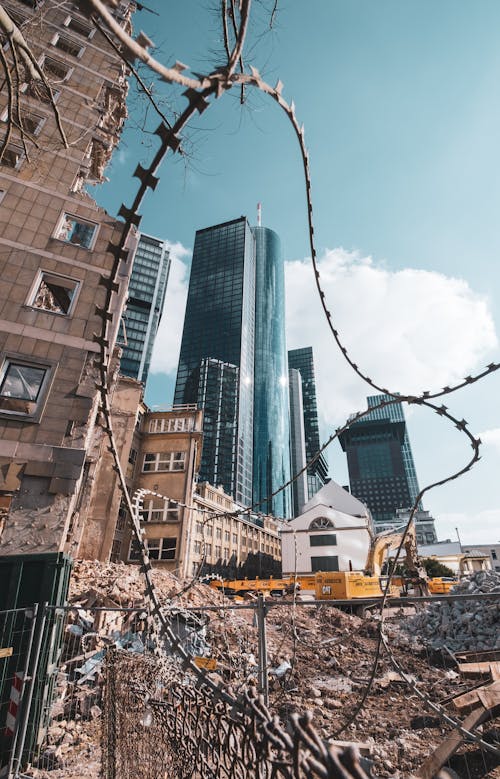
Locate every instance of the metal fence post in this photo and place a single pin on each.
(261, 626)
(31, 670)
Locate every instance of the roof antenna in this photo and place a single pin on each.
(259, 214)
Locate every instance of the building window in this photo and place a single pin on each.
(56, 69)
(67, 45)
(75, 25)
(179, 424)
(197, 547)
(132, 459)
(320, 523)
(159, 549)
(23, 386)
(74, 230)
(160, 511)
(493, 554)
(208, 549)
(12, 157)
(54, 293)
(327, 563)
(328, 539)
(164, 461)
(218, 533)
(31, 123)
(116, 549)
(40, 92)
(226, 535)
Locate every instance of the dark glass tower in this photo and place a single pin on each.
(146, 296)
(233, 361)
(216, 361)
(271, 432)
(302, 360)
(380, 461)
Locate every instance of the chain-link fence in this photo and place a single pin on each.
(289, 681)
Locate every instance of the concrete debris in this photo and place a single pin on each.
(320, 659)
(461, 625)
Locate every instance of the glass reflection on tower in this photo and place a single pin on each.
(271, 434)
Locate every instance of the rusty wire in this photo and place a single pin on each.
(181, 730)
(303, 750)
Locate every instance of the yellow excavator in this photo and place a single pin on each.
(343, 585)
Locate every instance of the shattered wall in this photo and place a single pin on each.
(53, 252)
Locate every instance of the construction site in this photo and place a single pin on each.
(153, 623)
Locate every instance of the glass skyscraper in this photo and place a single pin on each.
(380, 461)
(146, 296)
(302, 360)
(271, 432)
(233, 361)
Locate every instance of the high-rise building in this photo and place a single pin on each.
(271, 429)
(233, 361)
(146, 296)
(302, 360)
(297, 442)
(380, 461)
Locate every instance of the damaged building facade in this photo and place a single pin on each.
(54, 264)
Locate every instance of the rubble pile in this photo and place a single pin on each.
(462, 625)
(319, 658)
(117, 584)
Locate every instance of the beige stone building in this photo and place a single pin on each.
(54, 263)
(223, 540)
(184, 521)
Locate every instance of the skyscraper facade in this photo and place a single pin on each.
(271, 431)
(380, 461)
(233, 361)
(302, 360)
(297, 442)
(146, 296)
(216, 361)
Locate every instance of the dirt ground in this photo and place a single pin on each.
(319, 659)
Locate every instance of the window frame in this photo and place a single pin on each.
(28, 114)
(67, 25)
(39, 403)
(80, 220)
(157, 549)
(17, 149)
(39, 279)
(163, 458)
(58, 37)
(52, 76)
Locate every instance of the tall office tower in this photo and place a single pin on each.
(297, 442)
(55, 266)
(302, 360)
(271, 430)
(233, 361)
(380, 461)
(146, 296)
(216, 360)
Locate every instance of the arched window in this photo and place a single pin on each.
(320, 523)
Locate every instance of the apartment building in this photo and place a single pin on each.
(215, 539)
(54, 264)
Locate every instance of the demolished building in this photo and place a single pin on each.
(55, 264)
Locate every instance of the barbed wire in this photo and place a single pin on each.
(198, 93)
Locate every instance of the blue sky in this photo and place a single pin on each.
(400, 104)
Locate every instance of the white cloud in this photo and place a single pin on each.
(168, 340)
(482, 527)
(491, 437)
(409, 330)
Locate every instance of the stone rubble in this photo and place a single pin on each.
(461, 625)
(325, 657)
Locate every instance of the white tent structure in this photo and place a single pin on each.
(333, 533)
